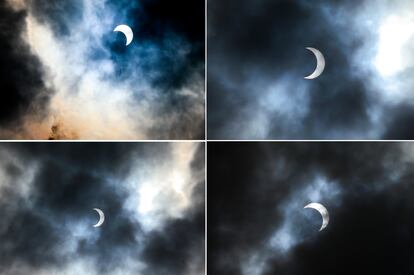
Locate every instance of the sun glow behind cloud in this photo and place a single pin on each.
(164, 190)
(394, 34)
(387, 57)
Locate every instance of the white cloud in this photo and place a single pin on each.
(162, 189)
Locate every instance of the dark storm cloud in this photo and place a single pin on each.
(107, 158)
(397, 125)
(166, 254)
(257, 60)
(38, 228)
(21, 72)
(258, 189)
(27, 237)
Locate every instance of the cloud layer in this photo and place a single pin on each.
(48, 191)
(70, 77)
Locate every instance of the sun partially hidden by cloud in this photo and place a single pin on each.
(93, 88)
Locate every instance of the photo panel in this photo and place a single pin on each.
(320, 70)
(102, 208)
(102, 69)
(310, 208)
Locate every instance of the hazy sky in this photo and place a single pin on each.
(152, 196)
(67, 75)
(257, 224)
(257, 60)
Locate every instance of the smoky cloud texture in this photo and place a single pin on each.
(67, 75)
(257, 224)
(21, 71)
(257, 61)
(48, 191)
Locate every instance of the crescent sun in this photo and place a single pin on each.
(320, 63)
(323, 211)
(101, 217)
(127, 31)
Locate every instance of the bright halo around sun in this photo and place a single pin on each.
(394, 35)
